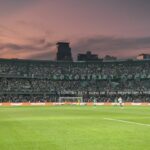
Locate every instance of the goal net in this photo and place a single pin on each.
(70, 99)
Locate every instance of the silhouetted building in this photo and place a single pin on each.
(143, 56)
(64, 52)
(88, 57)
(108, 57)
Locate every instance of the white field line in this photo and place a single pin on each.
(124, 121)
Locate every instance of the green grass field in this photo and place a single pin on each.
(75, 128)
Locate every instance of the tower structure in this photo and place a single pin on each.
(64, 51)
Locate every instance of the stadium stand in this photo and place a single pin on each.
(46, 81)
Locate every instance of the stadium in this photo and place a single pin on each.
(74, 74)
(47, 81)
(65, 105)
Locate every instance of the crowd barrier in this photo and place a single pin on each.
(72, 103)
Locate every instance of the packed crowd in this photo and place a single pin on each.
(99, 70)
(48, 86)
(46, 81)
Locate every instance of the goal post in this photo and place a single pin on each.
(70, 100)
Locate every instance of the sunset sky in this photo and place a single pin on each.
(29, 29)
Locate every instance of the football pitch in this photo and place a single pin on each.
(75, 128)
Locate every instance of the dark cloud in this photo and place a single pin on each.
(40, 44)
(104, 43)
(29, 47)
(36, 41)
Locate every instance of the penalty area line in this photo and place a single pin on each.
(124, 121)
